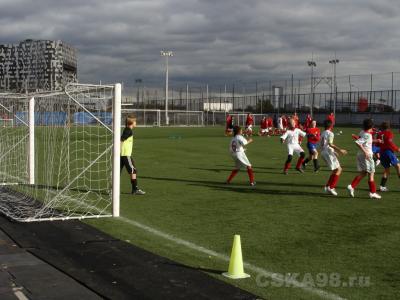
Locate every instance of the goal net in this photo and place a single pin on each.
(56, 154)
(144, 117)
(6, 123)
(240, 118)
(157, 117)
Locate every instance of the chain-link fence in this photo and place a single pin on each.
(375, 93)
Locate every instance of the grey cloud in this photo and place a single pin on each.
(214, 41)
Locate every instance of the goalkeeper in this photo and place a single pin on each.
(126, 152)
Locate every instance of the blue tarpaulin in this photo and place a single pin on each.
(60, 118)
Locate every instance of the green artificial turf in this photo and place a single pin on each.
(287, 224)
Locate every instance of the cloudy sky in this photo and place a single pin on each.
(214, 41)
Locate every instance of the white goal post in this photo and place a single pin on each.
(60, 153)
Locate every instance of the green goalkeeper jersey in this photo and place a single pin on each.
(127, 142)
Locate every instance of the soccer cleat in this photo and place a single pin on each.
(351, 190)
(253, 183)
(316, 169)
(383, 189)
(374, 196)
(138, 192)
(285, 172)
(331, 191)
(326, 189)
(300, 170)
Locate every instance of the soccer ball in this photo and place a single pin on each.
(340, 132)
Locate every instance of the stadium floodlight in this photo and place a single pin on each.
(334, 62)
(311, 63)
(166, 54)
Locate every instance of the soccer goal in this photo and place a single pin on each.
(144, 117)
(185, 118)
(157, 117)
(60, 152)
(6, 123)
(240, 118)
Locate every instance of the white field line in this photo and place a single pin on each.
(19, 294)
(290, 282)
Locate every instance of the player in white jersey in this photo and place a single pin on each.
(365, 161)
(291, 138)
(237, 151)
(280, 124)
(329, 153)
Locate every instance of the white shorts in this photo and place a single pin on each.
(249, 128)
(240, 160)
(331, 160)
(265, 130)
(296, 148)
(364, 164)
(280, 127)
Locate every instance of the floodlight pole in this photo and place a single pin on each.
(116, 150)
(166, 54)
(311, 63)
(334, 62)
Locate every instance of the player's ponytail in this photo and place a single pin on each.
(327, 124)
(236, 130)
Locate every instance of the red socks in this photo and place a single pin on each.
(334, 181)
(251, 174)
(287, 167)
(372, 186)
(329, 181)
(355, 181)
(233, 174)
(299, 162)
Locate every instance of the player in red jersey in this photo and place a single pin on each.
(285, 122)
(331, 117)
(313, 136)
(270, 125)
(307, 122)
(263, 127)
(387, 150)
(249, 125)
(295, 118)
(229, 125)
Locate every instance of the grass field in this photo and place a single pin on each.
(287, 224)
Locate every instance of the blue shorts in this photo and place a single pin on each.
(388, 159)
(311, 147)
(375, 149)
